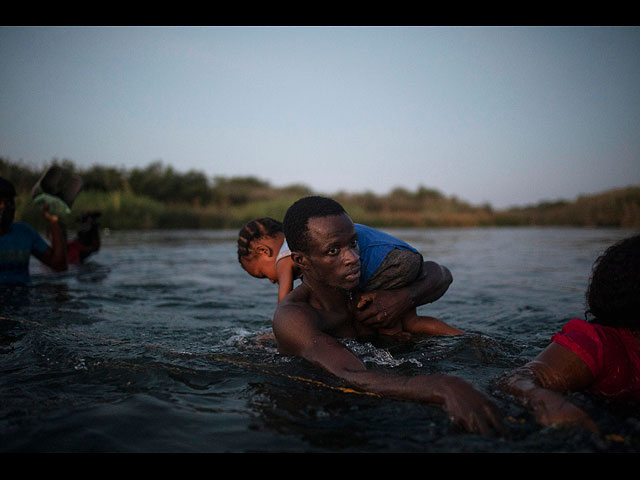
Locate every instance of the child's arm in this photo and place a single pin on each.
(285, 273)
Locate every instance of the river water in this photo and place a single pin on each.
(160, 343)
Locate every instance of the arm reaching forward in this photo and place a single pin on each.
(56, 255)
(297, 333)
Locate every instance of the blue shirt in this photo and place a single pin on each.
(374, 246)
(16, 248)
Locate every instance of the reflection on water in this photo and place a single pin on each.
(161, 343)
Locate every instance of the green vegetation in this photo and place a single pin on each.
(160, 197)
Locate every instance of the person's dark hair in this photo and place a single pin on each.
(298, 215)
(7, 190)
(613, 296)
(258, 228)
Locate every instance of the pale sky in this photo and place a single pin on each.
(504, 115)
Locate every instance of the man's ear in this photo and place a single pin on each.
(263, 249)
(299, 259)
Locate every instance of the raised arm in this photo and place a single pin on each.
(385, 307)
(540, 385)
(296, 334)
(56, 255)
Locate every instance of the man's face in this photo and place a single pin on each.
(333, 256)
(7, 212)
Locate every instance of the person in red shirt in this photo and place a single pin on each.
(599, 356)
(87, 239)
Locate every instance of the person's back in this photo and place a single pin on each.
(611, 354)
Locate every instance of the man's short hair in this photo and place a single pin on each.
(296, 219)
(7, 190)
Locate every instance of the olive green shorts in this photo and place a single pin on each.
(399, 268)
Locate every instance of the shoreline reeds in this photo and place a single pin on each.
(158, 197)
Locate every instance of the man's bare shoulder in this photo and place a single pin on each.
(295, 306)
(294, 324)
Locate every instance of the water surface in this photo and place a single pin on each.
(160, 343)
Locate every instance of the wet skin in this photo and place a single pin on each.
(309, 320)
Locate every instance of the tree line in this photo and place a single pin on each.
(156, 181)
(159, 196)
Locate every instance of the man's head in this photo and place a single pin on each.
(323, 242)
(297, 217)
(7, 204)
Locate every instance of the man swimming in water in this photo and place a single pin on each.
(309, 321)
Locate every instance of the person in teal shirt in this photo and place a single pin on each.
(18, 241)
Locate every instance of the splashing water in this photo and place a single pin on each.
(162, 343)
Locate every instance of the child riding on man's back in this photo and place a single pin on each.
(387, 263)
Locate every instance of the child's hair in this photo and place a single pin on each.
(613, 296)
(255, 229)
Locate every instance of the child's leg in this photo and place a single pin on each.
(399, 269)
(418, 324)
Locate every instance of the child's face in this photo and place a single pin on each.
(261, 266)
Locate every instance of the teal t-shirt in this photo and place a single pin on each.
(16, 248)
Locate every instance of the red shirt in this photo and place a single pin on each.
(74, 248)
(612, 355)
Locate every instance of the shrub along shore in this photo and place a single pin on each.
(159, 197)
